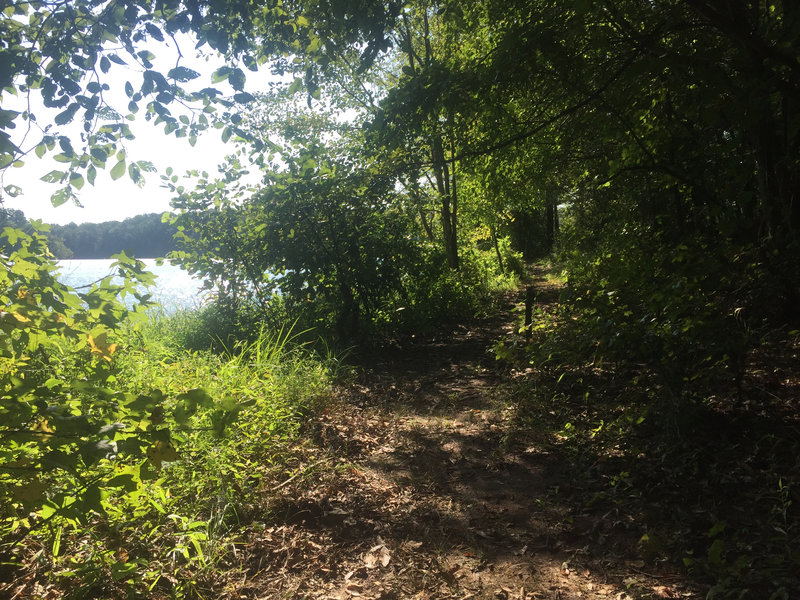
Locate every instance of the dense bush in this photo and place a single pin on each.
(121, 449)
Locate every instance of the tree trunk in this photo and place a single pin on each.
(448, 206)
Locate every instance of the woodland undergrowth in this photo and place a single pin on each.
(701, 474)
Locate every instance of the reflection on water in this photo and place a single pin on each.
(174, 287)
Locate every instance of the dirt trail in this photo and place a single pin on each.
(433, 499)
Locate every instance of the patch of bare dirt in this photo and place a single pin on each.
(432, 498)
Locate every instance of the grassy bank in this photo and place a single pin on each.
(224, 428)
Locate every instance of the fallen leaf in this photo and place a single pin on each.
(378, 555)
(354, 589)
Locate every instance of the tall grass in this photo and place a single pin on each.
(170, 532)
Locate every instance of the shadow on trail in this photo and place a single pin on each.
(501, 515)
(462, 479)
(475, 497)
(459, 481)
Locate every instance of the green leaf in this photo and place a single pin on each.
(135, 174)
(181, 414)
(121, 571)
(309, 164)
(91, 499)
(118, 170)
(250, 63)
(716, 552)
(54, 176)
(314, 45)
(296, 86)
(228, 403)
(57, 541)
(718, 528)
(146, 57)
(243, 97)
(125, 481)
(91, 452)
(6, 145)
(154, 32)
(67, 115)
(142, 403)
(219, 422)
(13, 190)
(220, 74)
(202, 397)
(76, 180)
(61, 196)
(237, 79)
(182, 74)
(99, 154)
(197, 396)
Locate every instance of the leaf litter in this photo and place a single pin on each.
(429, 500)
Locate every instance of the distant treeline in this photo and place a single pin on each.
(143, 236)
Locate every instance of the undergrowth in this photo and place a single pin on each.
(233, 419)
(434, 297)
(700, 474)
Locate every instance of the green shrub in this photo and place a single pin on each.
(126, 459)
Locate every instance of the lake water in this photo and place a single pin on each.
(174, 287)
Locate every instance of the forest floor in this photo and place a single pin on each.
(432, 491)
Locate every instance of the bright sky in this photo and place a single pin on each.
(110, 200)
